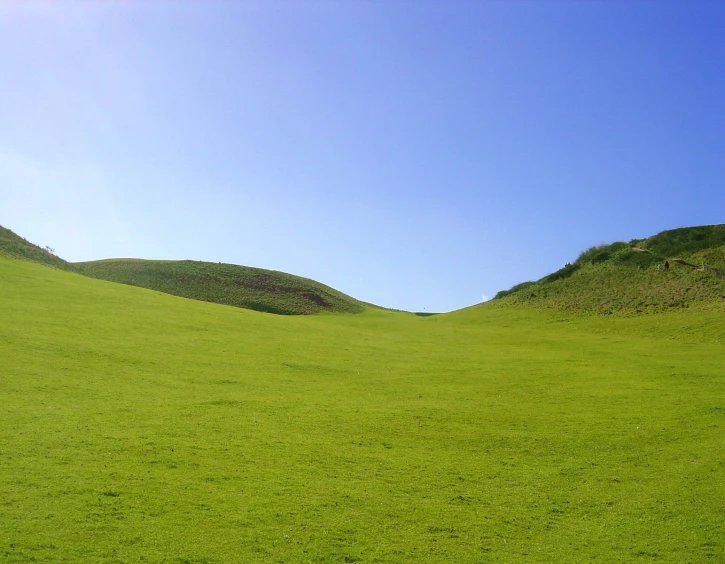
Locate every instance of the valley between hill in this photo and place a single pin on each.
(675, 269)
(138, 426)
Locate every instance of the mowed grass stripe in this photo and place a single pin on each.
(137, 425)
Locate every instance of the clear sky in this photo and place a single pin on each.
(415, 154)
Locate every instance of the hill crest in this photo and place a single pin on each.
(14, 246)
(246, 287)
(677, 268)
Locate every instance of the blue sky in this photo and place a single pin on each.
(414, 154)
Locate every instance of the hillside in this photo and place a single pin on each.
(632, 278)
(141, 427)
(613, 278)
(240, 286)
(12, 245)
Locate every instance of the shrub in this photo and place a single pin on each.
(637, 259)
(562, 273)
(587, 254)
(600, 253)
(513, 289)
(601, 256)
(686, 240)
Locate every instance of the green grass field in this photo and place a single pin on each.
(142, 427)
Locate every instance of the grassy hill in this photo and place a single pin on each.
(631, 277)
(12, 245)
(613, 278)
(138, 426)
(240, 286)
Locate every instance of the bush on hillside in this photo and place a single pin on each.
(637, 259)
(564, 272)
(586, 255)
(513, 289)
(600, 253)
(686, 240)
(601, 256)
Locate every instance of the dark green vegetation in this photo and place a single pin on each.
(140, 427)
(241, 286)
(631, 278)
(12, 245)
(686, 240)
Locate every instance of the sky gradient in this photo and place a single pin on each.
(419, 154)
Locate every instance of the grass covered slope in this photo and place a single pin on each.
(138, 426)
(12, 245)
(630, 277)
(240, 286)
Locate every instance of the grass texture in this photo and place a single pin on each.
(14, 246)
(630, 278)
(240, 286)
(143, 427)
